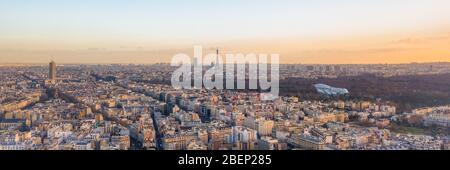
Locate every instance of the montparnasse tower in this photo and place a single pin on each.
(52, 70)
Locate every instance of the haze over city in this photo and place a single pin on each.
(143, 32)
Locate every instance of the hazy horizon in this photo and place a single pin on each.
(124, 63)
(146, 32)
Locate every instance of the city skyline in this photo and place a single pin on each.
(146, 32)
(234, 84)
(135, 107)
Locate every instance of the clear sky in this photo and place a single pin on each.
(302, 31)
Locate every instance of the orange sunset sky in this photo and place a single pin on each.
(301, 31)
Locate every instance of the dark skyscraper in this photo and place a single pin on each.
(52, 70)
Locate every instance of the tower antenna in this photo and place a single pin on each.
(217, 56)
